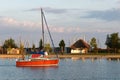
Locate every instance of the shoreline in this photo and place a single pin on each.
(88, 56)
(10, 56)
(67, 56)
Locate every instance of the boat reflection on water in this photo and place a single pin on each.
(75, 58)
(84, 58)
(94, 58)
(113, 59)
(39, 68)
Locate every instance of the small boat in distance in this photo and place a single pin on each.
(39, 61)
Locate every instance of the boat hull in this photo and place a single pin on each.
(30, 63)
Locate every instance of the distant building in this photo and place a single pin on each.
(80, 46)
(13, 51)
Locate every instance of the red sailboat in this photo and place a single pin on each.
(36, 60)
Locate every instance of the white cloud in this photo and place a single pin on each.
(92, 25)
(9, 20)
(13, 23)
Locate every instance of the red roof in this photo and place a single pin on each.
(80, 44)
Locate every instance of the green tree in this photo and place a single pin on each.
(62, 46)
(48, 48)
(93, 43)
(113, 41)
(22, 50)
(108, 42)
(33, 47)
(41, 44)
(10, 43)
(21, 47)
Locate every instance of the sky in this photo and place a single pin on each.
(68, 20)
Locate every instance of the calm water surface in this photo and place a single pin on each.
(68, 69)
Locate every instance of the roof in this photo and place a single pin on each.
(80, 44)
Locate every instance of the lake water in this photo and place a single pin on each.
(68, 69)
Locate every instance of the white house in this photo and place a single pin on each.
(80, 46)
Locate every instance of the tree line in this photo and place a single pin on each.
(10, 43)
(112, 44)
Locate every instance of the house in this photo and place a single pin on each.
(13, 51)
(80, 46)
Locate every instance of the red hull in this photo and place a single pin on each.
(40, 62)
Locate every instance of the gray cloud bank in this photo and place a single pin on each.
(108, 15)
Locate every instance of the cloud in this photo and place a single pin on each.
(108, 15)
(11, 25)
(58, 10)
(49, 10)
(6, 20)
(11, 22)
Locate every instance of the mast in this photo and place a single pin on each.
(44, 19)
(42, 14)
